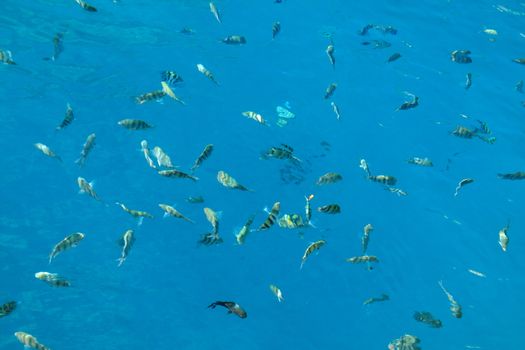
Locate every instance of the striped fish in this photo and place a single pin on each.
(208, 74)
(70, 241)
(171, 77)
(244, 231)
(127, 241)
(135, 213)
(310, 249)
(6, 57)
(145, 150)
(52, 279)
(87, 187)
(171, 211)
(362, 259)
(47, 151)
(168, 91)
(228, 181)
(156, 95)
(234, 40)
(330, 209)
(28, 340)
(68, 118)
(384, 179)
(329, 178)
(255, 116)
(330, 91)
(134, 124)
(276, 29)
(86, 6)
(7, 308)
(162, 158)
(202, 157)
(177, 174)
(272, 217)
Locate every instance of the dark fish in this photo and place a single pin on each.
(519, 86)
(58, 47)
(383, 297)
(86, 6)
(312, 247)
(362, 259)
(187, 31)
(330, 209)
(234, 40)
(68, 118)
(195, 200)
(462, 183)
(409, 104)
(7, 308)
(171, 77)
(210, 239)
(70, 241)
(519, 175)
(461, 56)
(283, 152)
(6, 57)
(276, 29)
(365, 29)
(233, 308)
(177, 174)
(464, 132)
(427, 318)
(394, 57)
(134, 124)
(330, 90)
(329, 178)
(202, 157)
(519, 60)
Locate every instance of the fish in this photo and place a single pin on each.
(330, 209)
(377, 44)
(171, 77)
(7, 308)
(234, 40)
(70, 241)
(146, 152)
(215, 11)
(490, 31)
(213, 218)
(461, 56)
(127, 241)
(86, 6)
(329, 178)
(195, 199)
(397, 191)
(330, 53)
(330, 90)
(384, 179)
(503, 238)
(308, 208)
(228, 181)
(312, 247)
(336, 110)
(162, 158)
(134, 124)
(291, 221)
(271, 218)
(409, 104)
(464, 132)
(52, 279)
(244, 231)
(156, 95)
(519, 60)
(233, 308)
(468, 81)
(206, 153)
(255, 116)
(86, 149)
(406, 342)
(283, 152)
(87, 187)
(420, 161)
(277, 292)
(210, 238)
(455, 308)
(187, 31)
(476, 273)
(362, 259)
(366, 236)
(168, 91)
(171, 211)
(383, 297)
(6, 57)
(519, 86)
(519, 175)
(27, 339)
(135, 213)
(276, 29)
(463, 183)
(207, 73)
(394, 57)
(58, 47)
(427, 318)
(177, 174)
(47, 151)
(483, 127)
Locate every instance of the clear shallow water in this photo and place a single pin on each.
(158, 298)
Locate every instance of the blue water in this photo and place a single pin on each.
(159, 297)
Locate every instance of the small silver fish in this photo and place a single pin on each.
(86, 149)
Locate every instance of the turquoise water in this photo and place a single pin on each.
(159, 296)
